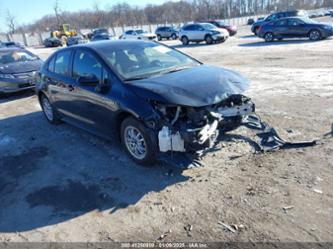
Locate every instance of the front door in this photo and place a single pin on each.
(93, 102)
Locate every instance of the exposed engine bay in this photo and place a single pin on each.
(186, 129)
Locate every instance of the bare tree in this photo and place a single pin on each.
(123, 14)
(11, 22)
(57, 12)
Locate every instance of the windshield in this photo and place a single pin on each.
(309, 21)
(144, 60)
(139, 31)
(7, 57)
(99, 31)
(208, 26)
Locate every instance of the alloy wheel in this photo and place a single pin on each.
(314, 35)
(269, 37)
(47, 108)
(135, 142)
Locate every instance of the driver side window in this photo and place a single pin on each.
(85, 64)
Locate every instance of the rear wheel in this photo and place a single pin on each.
(173, 36)
(185, 40)
(269, 37)
(314, 35)
(137, 142)
(48, 110)
(209, 39)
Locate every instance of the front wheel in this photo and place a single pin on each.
(159, 37)
(185, 40)
(314, 35)
(209, 39)
(137, 142)
(269, 37)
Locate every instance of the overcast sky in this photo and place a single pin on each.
(27, 11)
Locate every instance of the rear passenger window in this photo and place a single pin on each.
(281, 23)
(50, 66)
(190, 27)
(61, 64)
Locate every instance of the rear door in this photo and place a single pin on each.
(281, 28)
(189, 32)
(60, 85)
(198, 32)
(163, 32)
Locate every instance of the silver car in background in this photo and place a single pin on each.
(199, 32)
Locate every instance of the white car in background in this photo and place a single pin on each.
(199, 32)
(138, 34)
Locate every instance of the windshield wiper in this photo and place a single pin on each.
(172, 70)
(136, 78)
(176, 69)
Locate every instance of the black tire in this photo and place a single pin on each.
(256, 30)
(173, 36)
(150, 144)
(159, 37)
(209, 39)
(280, 39)
(52, 117)
(269, 37)
(315, 35)
(184, 40)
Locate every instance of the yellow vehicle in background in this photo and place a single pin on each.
(64, 32)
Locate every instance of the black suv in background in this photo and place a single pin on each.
(166, 32)
(275, 16)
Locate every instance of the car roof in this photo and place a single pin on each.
(288, 11)
(290, 17)
(110, 43)
(13, 48)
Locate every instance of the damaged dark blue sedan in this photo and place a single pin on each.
(153, 98)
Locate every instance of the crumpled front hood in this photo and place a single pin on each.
(199, 86)
(21, 67)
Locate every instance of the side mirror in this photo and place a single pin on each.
(104, 87)
(89, 80)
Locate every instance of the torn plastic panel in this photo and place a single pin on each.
(269, 140)
(189, 129)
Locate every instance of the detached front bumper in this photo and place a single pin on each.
(16, 85)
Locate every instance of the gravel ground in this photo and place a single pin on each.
(58, 183)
